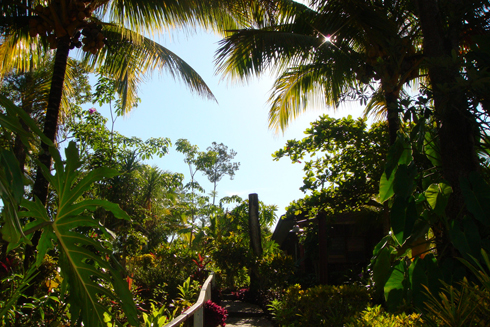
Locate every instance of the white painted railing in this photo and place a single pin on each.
(197, 310)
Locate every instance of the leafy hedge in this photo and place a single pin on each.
(323, 305)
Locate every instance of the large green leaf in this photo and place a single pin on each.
(11, 177)
(85, 263)
(396, 286)
(382, 265)
(403, 217)
(476, 193)
(432, 151)
(466, 237)
(11, 122)
(386, 187)
(403, 184)
(11, 192)
(437, 196)
(423, 273)
(398, 154)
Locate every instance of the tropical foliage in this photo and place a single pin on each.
(96, 236)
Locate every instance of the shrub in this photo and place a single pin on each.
(214, 315)
(275, 269)
(377, 317)
(323, 305)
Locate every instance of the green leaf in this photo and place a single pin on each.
(476, 193)
(432, 151)
(423, 272)
(437, 196)
(397, 218)
(465, 237)
(403, 217)
(84, 261)
(11, 122)
(381, 267)
(386, 188)
(403, 184)
(11, 192)
(398, 154)
(395, 288)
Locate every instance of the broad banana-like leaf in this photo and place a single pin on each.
(11, 182)
(11, 122)
(11, 192)
(86, 265)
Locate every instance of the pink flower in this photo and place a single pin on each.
(92, 110)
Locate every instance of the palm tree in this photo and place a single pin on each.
(326, 51)
(29, 90)
(30, 28)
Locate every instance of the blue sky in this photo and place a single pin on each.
(239, 120)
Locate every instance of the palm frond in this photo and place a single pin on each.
(130, 58)
(18, 52)
(251, 52)
(321, 84)
(158, 15)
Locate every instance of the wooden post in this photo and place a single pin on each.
(322, 244)
(254, 225)
(255, 241)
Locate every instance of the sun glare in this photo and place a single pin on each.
(326, 39)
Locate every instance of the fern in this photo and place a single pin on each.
(86, 265)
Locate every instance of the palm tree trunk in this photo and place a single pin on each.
(40, 189)
(391, 99)
(52, 113)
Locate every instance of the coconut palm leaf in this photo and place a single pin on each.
(316, 84)
(19, 52)
(155, 16)
(129, 58)
(329, 33)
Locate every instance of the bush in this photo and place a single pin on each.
(322, 305)
(214, 315)
(377, 317)
(275, 269)
(162, 272)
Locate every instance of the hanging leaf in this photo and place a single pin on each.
(386, 188)
(437, 196)
(403, 217)
(465, 237)
(382, 266)
(476, 193)
(11, 122)
(396, 286)
(11, 193)
(398, 154)
(397, 218)
(432, 151)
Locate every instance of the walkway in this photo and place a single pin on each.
(242, 314)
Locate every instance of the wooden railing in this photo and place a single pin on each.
(197, 310)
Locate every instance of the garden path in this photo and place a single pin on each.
(242, 314)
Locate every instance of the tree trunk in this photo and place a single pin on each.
(52, 113)
(255, 241)
(457, 126)
(391, 99)
(40, 189)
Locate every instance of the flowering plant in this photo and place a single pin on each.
(214, 315)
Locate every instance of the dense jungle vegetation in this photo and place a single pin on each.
(94, 236)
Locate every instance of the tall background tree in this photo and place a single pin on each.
(220, 165)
